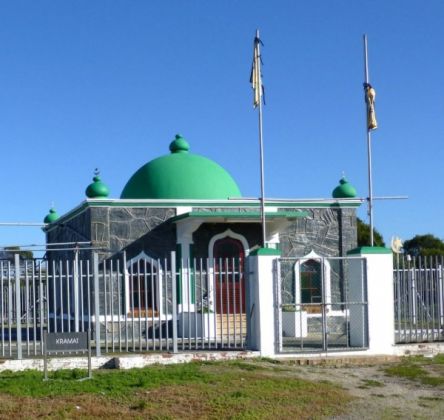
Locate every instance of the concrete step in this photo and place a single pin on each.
(228, 324)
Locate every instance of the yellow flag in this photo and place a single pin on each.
(370, 95)
(256, 77)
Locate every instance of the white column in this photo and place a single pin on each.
(185, 229)
(261, 301)
(380, 298)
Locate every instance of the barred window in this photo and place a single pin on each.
(311, 282)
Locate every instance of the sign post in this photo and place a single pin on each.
(66, 342)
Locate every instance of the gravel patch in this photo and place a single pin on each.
(377, 395)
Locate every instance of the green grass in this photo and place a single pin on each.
(428, 371)
(113, 383)
(237, 389)
(370, 383)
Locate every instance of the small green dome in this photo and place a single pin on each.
(51, 217)
(181, 175)
(344, 189)
(97, 189)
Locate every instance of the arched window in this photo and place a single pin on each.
(311, 282)
(143, 286)
(312, 273)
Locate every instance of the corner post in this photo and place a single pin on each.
(96, 303)
(18, 307)
(262, 301)
(380, 298)
(174, 299)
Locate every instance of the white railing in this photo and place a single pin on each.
(128, 306)
(419, 299)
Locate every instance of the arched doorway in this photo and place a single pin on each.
(229, 256)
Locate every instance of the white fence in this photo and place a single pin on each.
(419, 299)
(128, 306)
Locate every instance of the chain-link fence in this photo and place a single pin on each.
(321, 304)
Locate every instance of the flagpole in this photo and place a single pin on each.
(369, 150)
(261, 149)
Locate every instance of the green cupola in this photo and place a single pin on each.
(51, 217)
(344, 189)
(97, 189)
(181, 175)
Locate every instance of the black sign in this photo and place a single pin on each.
(70, 341)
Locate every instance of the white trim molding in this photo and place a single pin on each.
(227, 234)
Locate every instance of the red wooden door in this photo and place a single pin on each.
(229, 273)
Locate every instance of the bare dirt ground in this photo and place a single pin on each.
(379, 396)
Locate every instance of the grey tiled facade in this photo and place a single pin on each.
(326, 231)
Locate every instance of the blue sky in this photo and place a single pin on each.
(107, 84)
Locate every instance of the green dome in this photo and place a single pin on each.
(52, 216)
(97, 189)
(344, 190)
(181, 175)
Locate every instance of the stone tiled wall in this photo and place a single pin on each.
(135, 229)
(328, 232)
(114, 228)
(77, 229)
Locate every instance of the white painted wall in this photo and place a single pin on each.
(381, 322)
(260, 304)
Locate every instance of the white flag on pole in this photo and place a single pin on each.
(256, 77)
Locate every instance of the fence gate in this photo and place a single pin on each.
(321, 304)
(419, 299)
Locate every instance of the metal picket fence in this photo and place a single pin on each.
(419, 299)
(128, 306)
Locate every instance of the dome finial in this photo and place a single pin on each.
(344, 189)
(52, 216)
(179, 145)
(97, 189)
